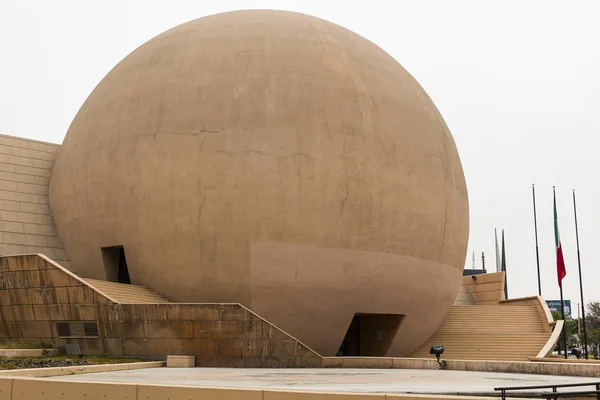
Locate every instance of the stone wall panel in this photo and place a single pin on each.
(182, 346)
(25, 215)
(17, 313)
(9, 330)
(37, 329)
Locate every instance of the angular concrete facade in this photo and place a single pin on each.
(274, 160)
(26, 223)
(41, 302)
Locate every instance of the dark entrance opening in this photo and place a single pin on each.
(115, 264)
(370, 335)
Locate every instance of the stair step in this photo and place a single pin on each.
(143, 294)
(128, 294)
(143, 302)
(138, 297)
(123, 289)
(491, 331)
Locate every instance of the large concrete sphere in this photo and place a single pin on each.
(275, 160)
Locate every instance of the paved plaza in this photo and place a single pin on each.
(330, 380)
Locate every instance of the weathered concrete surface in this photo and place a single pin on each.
(515, 367)
(26, 224)
(181, 361)
(36, 293)
(331, 380)
(275, 160)
(28, 352)
(80, 369)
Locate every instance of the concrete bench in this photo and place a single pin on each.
(181, 361)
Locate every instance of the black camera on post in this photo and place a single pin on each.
(438, 351)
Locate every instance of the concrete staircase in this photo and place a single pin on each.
(512, 331)
(127, 294)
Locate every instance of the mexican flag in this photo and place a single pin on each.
(561, 271)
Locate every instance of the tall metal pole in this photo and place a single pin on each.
(504, 268)
(585, 343)
(558, 258)
(564, 332)
(537, 250)
(578, 320)
(498, 266)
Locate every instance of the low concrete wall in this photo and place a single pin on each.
(561, 359)
(28, 352)
(80, 369)
(181, 361)
(518, 367)
(39, 389)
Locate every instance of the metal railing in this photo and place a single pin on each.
(554, 394)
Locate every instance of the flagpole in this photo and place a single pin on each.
(504, 268)
(537, 251)
(564, 332)
(578, 320)
(498, 267)
(585, 351)
(562, 302)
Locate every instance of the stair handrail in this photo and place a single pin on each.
(552, 340)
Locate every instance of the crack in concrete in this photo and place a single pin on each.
(192, 133)
(345, 199)
(444, 229)
(294, 154)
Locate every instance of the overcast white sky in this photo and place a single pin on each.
(518, 83)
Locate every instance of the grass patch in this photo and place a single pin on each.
(14, 344)
(100, 359)
(60, 361)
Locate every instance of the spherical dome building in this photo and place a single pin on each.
(278, 161)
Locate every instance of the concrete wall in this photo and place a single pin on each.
(481, 289)
(464, 296)
(35, 293)
(26, 224)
